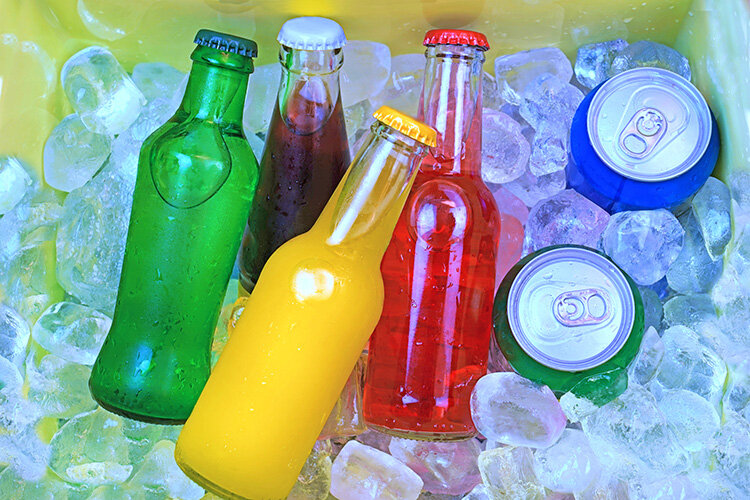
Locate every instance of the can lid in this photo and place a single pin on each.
(649, 124)
(312, 33)
(456, 37)
(407, 125)
(226, 43)
(571, 309)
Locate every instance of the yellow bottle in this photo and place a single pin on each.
(303, 329)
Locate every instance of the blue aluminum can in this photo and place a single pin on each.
(642, 140)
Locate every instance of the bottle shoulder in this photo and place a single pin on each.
(190, 161)
(443, 210)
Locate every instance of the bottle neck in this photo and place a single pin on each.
(309, 88)
(216, 87)
(451, 103)
(362, 213)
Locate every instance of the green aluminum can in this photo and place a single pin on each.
(567, 317)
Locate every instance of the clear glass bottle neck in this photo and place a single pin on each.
(451, 103)
(216, 87)
(309, 88)
(364, 210)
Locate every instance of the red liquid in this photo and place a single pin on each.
(431, 344)
(304, 158)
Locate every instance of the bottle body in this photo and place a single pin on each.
(195, 182)
(305, 157)
(431, 344)
(301, 333)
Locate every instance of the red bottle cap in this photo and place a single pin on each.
(456, 37)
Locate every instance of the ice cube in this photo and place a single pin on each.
(646, 364)
(445, 468)
(531, 189)
(549, 150)
(72, 331)
(361, 473)
(25, 232)
(692, 419)
(737, 395)
(10, 379)
(57, 387)
(643, 243)
(158, 474)
(712, 206)
(262, 90)
(50, 487)
(116, 492)
(154, 115)
(510, 409)
(375, 439)
(550, 103)
(91, 236)
(714, 486)
(688, 364)
(15, 183)
(91, 449)
(479, 492)
(314, 481)
(25, 453)
(157, 80)
(694, 271)
(515, 72)
(256, 144)
(631, 436)
(73, 154)
(670, 488)
(576, 407)
(346, 417)
(732, 301)
(505, 151)
(565, 218)
(510, 244)
(645, 53)
(491, 97)
(508, 472)
(101, 92)
(404, 85)
(508, 203)
(739, 257)
(594, 60)
(358, 118)
(652, 307)
(732, 451)
(14, 335)
(689, 310)
(605, 487)
(367, 67)
(569, 465)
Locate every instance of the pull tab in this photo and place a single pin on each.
(582, 307)
(643, 132)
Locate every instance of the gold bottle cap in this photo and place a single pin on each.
(407, 125)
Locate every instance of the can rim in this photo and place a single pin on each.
(593, 258)
(650, 74)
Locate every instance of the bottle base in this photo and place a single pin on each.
(423, 436)
(204, 483)
(149, 419)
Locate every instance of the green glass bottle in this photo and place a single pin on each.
(196, 180)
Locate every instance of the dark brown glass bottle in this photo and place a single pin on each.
(306, 151)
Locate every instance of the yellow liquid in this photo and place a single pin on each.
(303, 329)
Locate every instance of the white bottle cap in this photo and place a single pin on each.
(312, 33)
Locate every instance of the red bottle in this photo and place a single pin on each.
(431, 344)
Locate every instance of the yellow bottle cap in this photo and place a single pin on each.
(406, 125)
